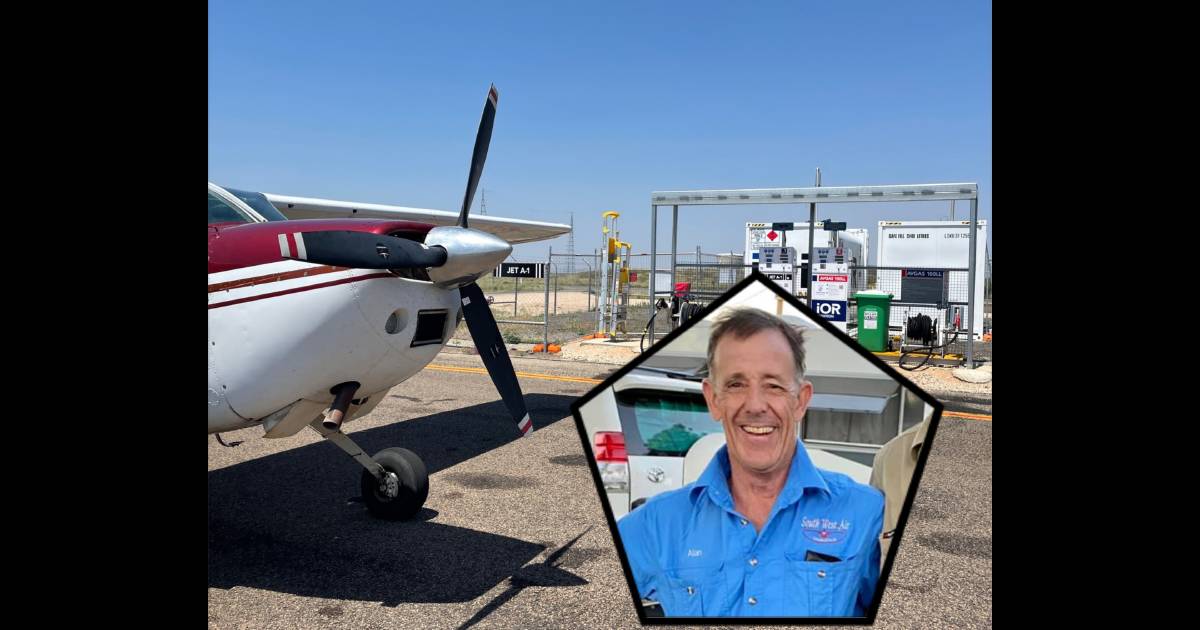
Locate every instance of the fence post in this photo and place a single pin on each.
(971, 262)
(546, 304)
(516, 285)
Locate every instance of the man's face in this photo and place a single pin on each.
(753, 393)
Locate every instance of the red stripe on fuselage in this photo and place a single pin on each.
(300, 289)
(275, 277)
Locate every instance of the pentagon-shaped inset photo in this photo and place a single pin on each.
(767, 478)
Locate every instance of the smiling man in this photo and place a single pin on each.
(762, 532)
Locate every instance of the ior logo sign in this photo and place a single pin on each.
(834, 311)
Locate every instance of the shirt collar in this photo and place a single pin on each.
(802, 474)
(919, 436)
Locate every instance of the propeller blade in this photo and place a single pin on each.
(491, 347)
(482, 140)
(361, 250)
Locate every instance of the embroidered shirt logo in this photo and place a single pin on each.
(695, 553)
(823, 530)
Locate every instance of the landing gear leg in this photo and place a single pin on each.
(394, 482)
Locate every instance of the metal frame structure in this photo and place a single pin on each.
(813, 196)
(545, 323)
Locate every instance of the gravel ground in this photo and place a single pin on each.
(513, 535)
(937, 380)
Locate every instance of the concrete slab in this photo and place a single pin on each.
(973, 376)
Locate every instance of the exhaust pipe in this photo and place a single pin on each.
(342, 395)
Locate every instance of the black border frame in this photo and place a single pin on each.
(885, 571)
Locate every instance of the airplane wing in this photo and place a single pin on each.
(514, 231)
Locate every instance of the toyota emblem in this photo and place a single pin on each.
(656, 474)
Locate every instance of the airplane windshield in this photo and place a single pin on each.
(259, 202)
(221, 212)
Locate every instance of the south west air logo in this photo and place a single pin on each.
(823, 530)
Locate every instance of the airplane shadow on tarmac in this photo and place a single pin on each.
(287, 522)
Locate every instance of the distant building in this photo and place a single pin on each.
(733, 274)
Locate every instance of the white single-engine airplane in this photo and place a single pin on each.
(316, 308)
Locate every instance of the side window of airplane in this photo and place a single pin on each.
(259, 202)
(221, 212)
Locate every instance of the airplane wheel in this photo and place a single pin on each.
(412, 485)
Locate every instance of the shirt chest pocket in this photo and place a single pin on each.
(691, 592)
(830, 588)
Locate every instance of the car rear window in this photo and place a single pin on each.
(668, 424)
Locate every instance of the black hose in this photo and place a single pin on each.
(928, 352)
(646, 330)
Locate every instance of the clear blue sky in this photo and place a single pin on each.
(602, 103)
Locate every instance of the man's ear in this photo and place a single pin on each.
(802, 399)
(710, 399)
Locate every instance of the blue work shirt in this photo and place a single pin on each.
(690, 549)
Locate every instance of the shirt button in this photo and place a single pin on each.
(821, 573)
(753, 562)
(744, 521)
(752, 601)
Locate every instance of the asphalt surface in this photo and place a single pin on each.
(512, 535)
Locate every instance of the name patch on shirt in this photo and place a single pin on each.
(824, 530)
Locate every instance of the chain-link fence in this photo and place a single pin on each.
(941, 295)
(518, 304)
(568, 301)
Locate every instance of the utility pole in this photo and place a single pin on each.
(571, 247)
(812, 223)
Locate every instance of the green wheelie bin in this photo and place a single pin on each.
(873, 309)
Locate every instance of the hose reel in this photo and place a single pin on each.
(921, 329)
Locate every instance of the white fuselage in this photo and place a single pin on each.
(288, 331)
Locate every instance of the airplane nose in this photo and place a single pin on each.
(469, 254)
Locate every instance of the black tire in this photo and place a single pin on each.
(414, 485)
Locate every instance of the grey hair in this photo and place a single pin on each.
(744, 322)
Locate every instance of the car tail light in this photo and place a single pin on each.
(612, 460)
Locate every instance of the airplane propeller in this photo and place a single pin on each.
(455, 256)
(480, 322)
(483, 139)
(486, 335)
(364, 250)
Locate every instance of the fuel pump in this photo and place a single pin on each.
(609, 247)
(621, 310)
